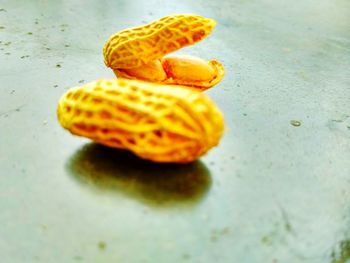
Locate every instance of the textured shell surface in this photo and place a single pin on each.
(162, 123)
(134, 47)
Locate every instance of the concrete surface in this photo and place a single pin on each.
(271, 192)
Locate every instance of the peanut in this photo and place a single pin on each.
(176, 69)
(132, 48)
(161, 123)
(152, 71)
(187, 68)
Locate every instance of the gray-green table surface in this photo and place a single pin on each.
(270, 192)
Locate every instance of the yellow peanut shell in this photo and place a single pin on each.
(161, 123)
(179, 70)
(134, 47)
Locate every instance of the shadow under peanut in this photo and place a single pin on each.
(154, 184)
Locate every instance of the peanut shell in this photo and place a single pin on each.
(134, 47)
(162, 123)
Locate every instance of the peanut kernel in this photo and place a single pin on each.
(152, 71)
(187, 68)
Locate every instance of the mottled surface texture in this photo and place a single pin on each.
(276, 190)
